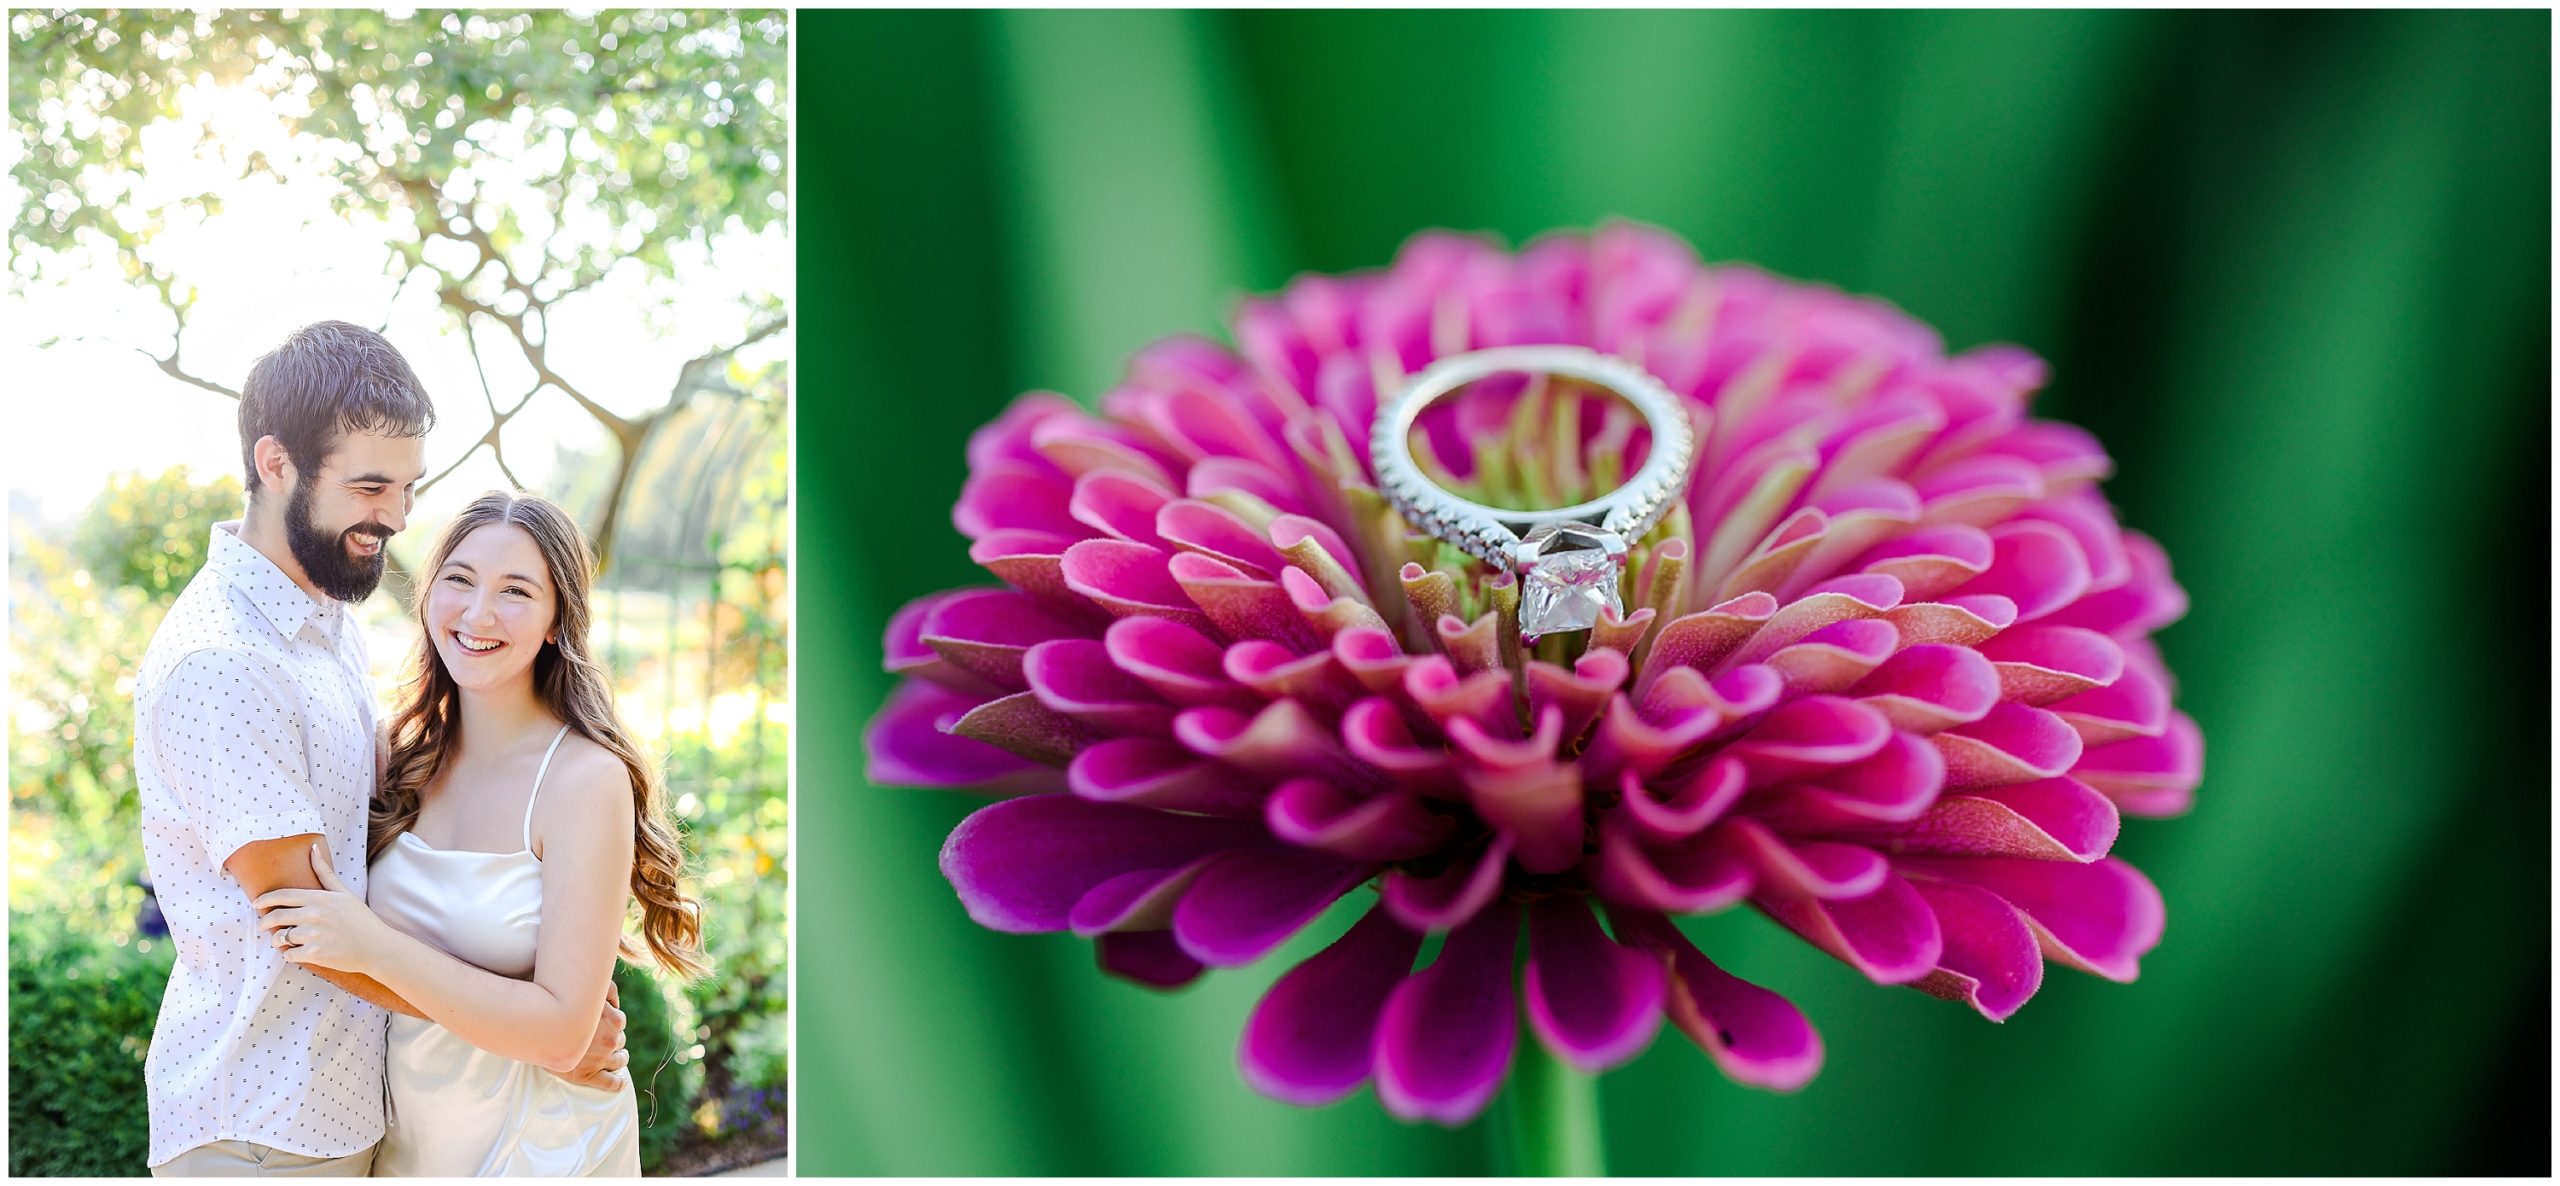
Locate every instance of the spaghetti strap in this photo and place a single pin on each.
(536, 796)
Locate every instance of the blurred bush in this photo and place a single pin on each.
(80, 1010)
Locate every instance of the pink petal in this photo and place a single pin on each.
(1813, 734)
(1015, 498)
(1271, 672)
(1137, 901)
(1146, 957)
(1311, 1039)
(1119, 504)
(1328, 614)
(903, 651)
(1241, 606)
(1865, 595)
(1593, 1002)
(1444, 1039)
(1394, 826)
(2101, 917)
(1889, 935)
(1539, 806)
(1979, 490)
(2041, 664)
(2051, 819)
(1662, 816)
(1679, 712)
(1754, 1035)
(2147, 600)
(2036, 565)
(908, 744)
(1281, 741)
(1007, 438)
(1703, 639)
(2136, 705)
(1483, 698)
(1818, 870)
(1451, 897)
(1373, 657)
(1076, 677)
(1377, 735)
(1022, 725)
(1578, 694)
(986, 632)
(2010, 744)
(1288, 530)
(1694, 876)
(1129, 580)
(2151, 776)
(1990, 959)
(1957, 621)
(1250, 901)
(1932, 560)
(2093, 525)
(1221, 475)
(1149, 772)
(1181, 664)
(1835, 657)
(1031, 561)
(1212, 530)
(1929, 688)
(1081, 445)
(1022, 864)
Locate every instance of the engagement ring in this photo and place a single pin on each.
(1570, 560)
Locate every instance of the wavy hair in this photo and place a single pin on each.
(573, 685)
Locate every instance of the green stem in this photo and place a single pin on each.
(1550, 1117)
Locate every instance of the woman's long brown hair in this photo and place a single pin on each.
(574, 687)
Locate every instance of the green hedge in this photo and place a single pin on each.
(80, 1014)
(665, 1085)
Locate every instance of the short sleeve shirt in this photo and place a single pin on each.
(253, 721)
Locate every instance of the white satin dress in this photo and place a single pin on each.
(457, 1110)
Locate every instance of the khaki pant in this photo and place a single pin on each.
(241, 1159)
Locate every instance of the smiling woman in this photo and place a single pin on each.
(491, 273)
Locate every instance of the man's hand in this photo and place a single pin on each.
(607, 1062)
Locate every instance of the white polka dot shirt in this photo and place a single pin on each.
(252, 720)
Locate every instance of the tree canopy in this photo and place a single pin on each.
(513, 161)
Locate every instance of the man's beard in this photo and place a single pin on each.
(324, 558)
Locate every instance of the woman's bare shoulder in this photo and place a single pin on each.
(586, 780)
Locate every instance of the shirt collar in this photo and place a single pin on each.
(283, 603)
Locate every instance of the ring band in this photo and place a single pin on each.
(1570, 559)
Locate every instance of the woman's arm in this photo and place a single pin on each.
(586, 872)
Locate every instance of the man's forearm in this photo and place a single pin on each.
(368, 988)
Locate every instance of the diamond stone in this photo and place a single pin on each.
(1566, 590)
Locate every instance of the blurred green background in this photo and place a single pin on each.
(2292, 269)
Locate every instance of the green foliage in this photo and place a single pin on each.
(651, 119)
(152, 533)
(663, 1083)
(81, 616)
(738, 839)
(80, 1012)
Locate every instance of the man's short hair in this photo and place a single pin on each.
(329, 379)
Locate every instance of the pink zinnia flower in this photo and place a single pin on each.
(1886, 676)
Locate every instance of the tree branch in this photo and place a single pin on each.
(691, 376)
(497, 419)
